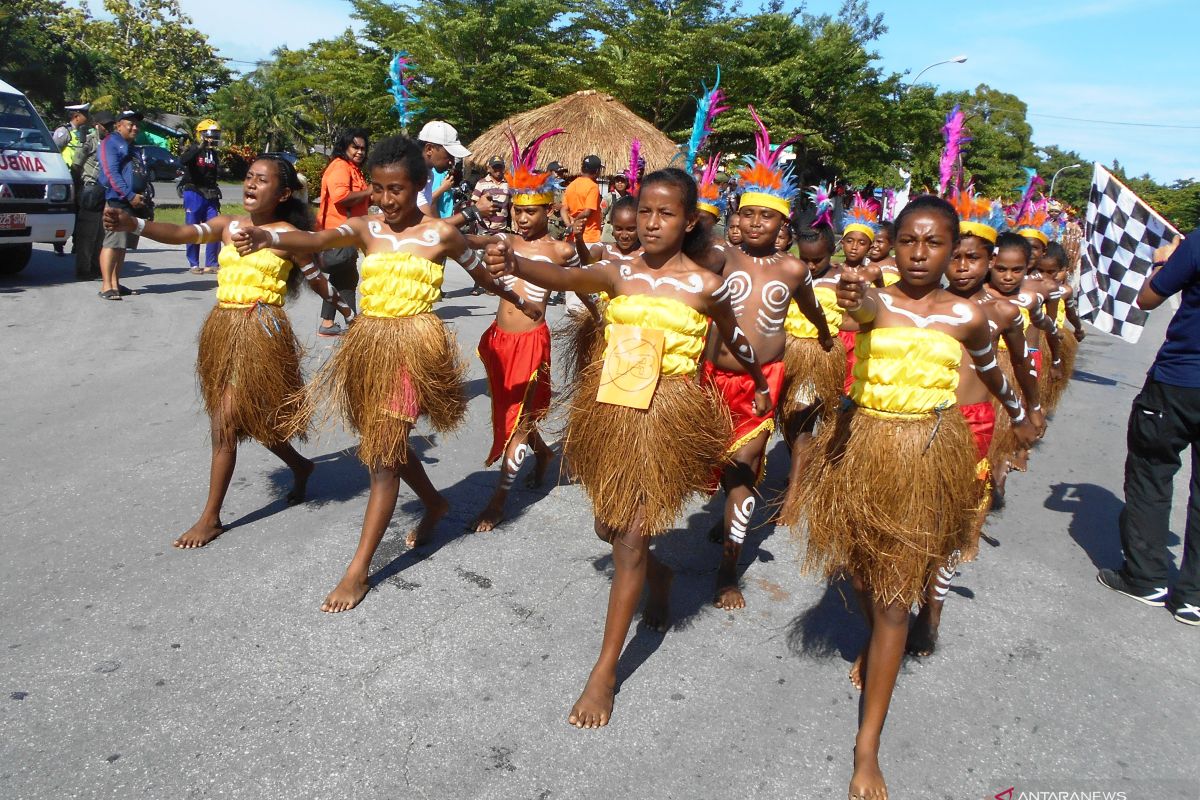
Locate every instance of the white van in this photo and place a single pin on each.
(36, 203)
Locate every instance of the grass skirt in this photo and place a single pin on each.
(642, 465)
(253, 352)
(1050, 391)
(387, 372)
(1005, 447)
(580, 340)
(888, 499)
(810, 373)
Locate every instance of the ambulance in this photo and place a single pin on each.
(36, 203)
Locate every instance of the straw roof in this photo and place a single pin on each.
(595, 123)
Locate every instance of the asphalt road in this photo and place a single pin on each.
(133, 670)
(165, 193)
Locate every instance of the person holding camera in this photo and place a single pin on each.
(200, 190)
(120, 177)
(345, 193)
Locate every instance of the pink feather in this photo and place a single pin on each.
(955, 136)
(529, 156)
(635, 151)
(762, 143)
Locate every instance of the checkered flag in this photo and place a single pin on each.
(1119, 238)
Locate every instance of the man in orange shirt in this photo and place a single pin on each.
(583, 198)
(344, 193)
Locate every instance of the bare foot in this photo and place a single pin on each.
(491, 516)
(199, 535)
(729, 595)
(299, 492)
(349, 592)
(867, 782)
(541, 463)
(657, 613)
(421, 534)
(923, 636)
(594, 707)
(858, 672)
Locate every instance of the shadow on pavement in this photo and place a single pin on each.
(1095, 511)
(833, 627)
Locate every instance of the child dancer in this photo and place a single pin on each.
(979, 226)
(891, 535)
(880, 254)
(249, 360)
(643, 434)
(1062, 307)
(397, 362)
(515, 349)
(762, 282)
(860, 226)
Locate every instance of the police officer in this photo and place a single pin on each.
(201, 194)
(68, 139)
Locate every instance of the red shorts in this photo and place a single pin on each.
(737, 390)
(518, 366)
(1036, 355)
(981, 419)
(849, 338)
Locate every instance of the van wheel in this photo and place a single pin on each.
(14, 258)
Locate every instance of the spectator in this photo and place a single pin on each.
(201, 192)
(120, 191)
(619, 186)
(68, 139)
(440, 146)
(582, 198)
(89, 218)
(344, 193)
(497, 190)
(558, 229)
(1164, 421)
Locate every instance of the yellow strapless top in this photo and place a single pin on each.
(905, 371)
(398, 285)
(260, 277)
(889, 277)
(1060, 316)
(798, 325)
(684, 328)
(1024, 326)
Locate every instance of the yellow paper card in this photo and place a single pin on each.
(632, 365)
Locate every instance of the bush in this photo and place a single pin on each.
(236, 160)
(311, 167)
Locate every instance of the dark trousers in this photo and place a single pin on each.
(344, 278)
(86, 238)
(1164, 421)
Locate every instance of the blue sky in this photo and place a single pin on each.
(1130, 61)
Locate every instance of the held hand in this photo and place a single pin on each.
(826, 342)
(498, 259)
(485, 205)
(1056, 370)
(1079, 334)
(1039, 422)
(117, 220)
(250, 239)
(578, 222)
(531, 311)
(762, 402)
(1025, 432)
(851, 288)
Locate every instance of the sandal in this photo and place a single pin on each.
(111, 294)
(196, 270)
(209, 270)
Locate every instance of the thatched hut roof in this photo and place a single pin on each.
(596, 123)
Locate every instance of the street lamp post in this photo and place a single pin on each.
(955, 60)
(1052, 180)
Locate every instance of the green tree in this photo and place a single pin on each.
(42, 53)
(162, 63)
(1073, 185)
(1001, 139)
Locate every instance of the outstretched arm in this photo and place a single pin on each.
(248, 238)
(116, 219)
(501, 259)
(806, 300)
(459, 249)
(979, 347)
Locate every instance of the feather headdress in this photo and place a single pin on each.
(712, 199)
(399, 80)
(635, 164)
(708, 106)
(978, 216)
(764, 182)
(1033, 221)
(1032, 182)
(861, 216)
(530, 187)
(955, 136)
(823, 202)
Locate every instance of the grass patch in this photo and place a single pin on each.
(174, 214)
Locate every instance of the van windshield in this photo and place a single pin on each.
(21, 128)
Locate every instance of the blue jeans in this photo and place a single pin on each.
(198, 208)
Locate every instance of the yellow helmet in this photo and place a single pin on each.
(208, 129)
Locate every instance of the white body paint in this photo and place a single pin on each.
(428, 238)
(694, 284)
